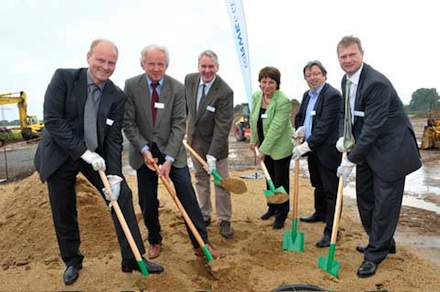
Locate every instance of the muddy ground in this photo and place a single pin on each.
(255, 262)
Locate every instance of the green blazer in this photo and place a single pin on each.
(277, 126)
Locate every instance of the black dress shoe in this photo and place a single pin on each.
(367, 269)
(324, 242)
(268, 214)
(71, 274)
(312, 218)
(278, 224)
(131, 265)
(361, 249)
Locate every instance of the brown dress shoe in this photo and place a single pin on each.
(216, 254)
(154, 251)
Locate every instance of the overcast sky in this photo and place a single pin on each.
(400, 39)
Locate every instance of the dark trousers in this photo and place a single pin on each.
(147, 190)
(279, 171)
(325, 182)
(379, 203)
(62, 196)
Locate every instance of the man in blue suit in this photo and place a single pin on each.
(317, 119)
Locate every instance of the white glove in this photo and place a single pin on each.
(300, 150)
(340, 145)
(93, 158)
(301, 131)
(345, 169)
(211, 163)
(115, 185)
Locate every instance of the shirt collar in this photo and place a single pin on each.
(315, 93)
(90, 82)
(149, 82)
(208, 84)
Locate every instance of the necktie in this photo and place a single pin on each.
(348, 136)
(202, 96)
(154, 99)
(90, 113)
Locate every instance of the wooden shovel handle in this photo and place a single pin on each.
(194, 153)
(182, 210)
(121, 218)
(263, 166)
(296, 182)
(338, 206)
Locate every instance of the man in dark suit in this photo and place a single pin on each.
(317, 119)
(385, 151)
(155, 124)
(62, 152)
(210, 115)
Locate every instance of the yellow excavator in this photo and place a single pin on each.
(431, 135)
(30, 125)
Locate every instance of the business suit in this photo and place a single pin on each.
(324, 158)
(208, 133)
(164, 138)
(58, 157)
(385, 152)
(275, 141)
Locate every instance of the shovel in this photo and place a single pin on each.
(273, 195)
(233, 185)
(124, 225)
(294, 240)
(189, 222)
(328, 263)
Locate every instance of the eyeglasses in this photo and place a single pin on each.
(314, 74)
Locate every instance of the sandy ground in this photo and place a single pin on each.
(255, 261)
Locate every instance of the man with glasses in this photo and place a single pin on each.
(317, 120)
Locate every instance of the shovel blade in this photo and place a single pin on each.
(281, 190)
(329, 265)
(293, 241)
(234, 185)
(268, 193)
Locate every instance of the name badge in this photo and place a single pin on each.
(359, 114)
(210, 109)
(313, 113)
(264, 116)
(159, 105)
(109, 122)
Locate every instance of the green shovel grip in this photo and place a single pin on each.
(217, 177)
(207, 253)
(143, 268)
(271, 185)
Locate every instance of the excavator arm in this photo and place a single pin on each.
(30, 125)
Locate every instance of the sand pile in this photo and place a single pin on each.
(255, 262)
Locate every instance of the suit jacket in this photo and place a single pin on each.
(324, 135)
(277, 127)
(212, 123)
(383, 132)
(63, 136)
(170, 125)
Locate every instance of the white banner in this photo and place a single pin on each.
(238, 25)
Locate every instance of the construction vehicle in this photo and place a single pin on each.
(242, 127)
(30, 125)
(431, 135)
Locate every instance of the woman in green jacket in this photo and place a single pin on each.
(271, 131)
